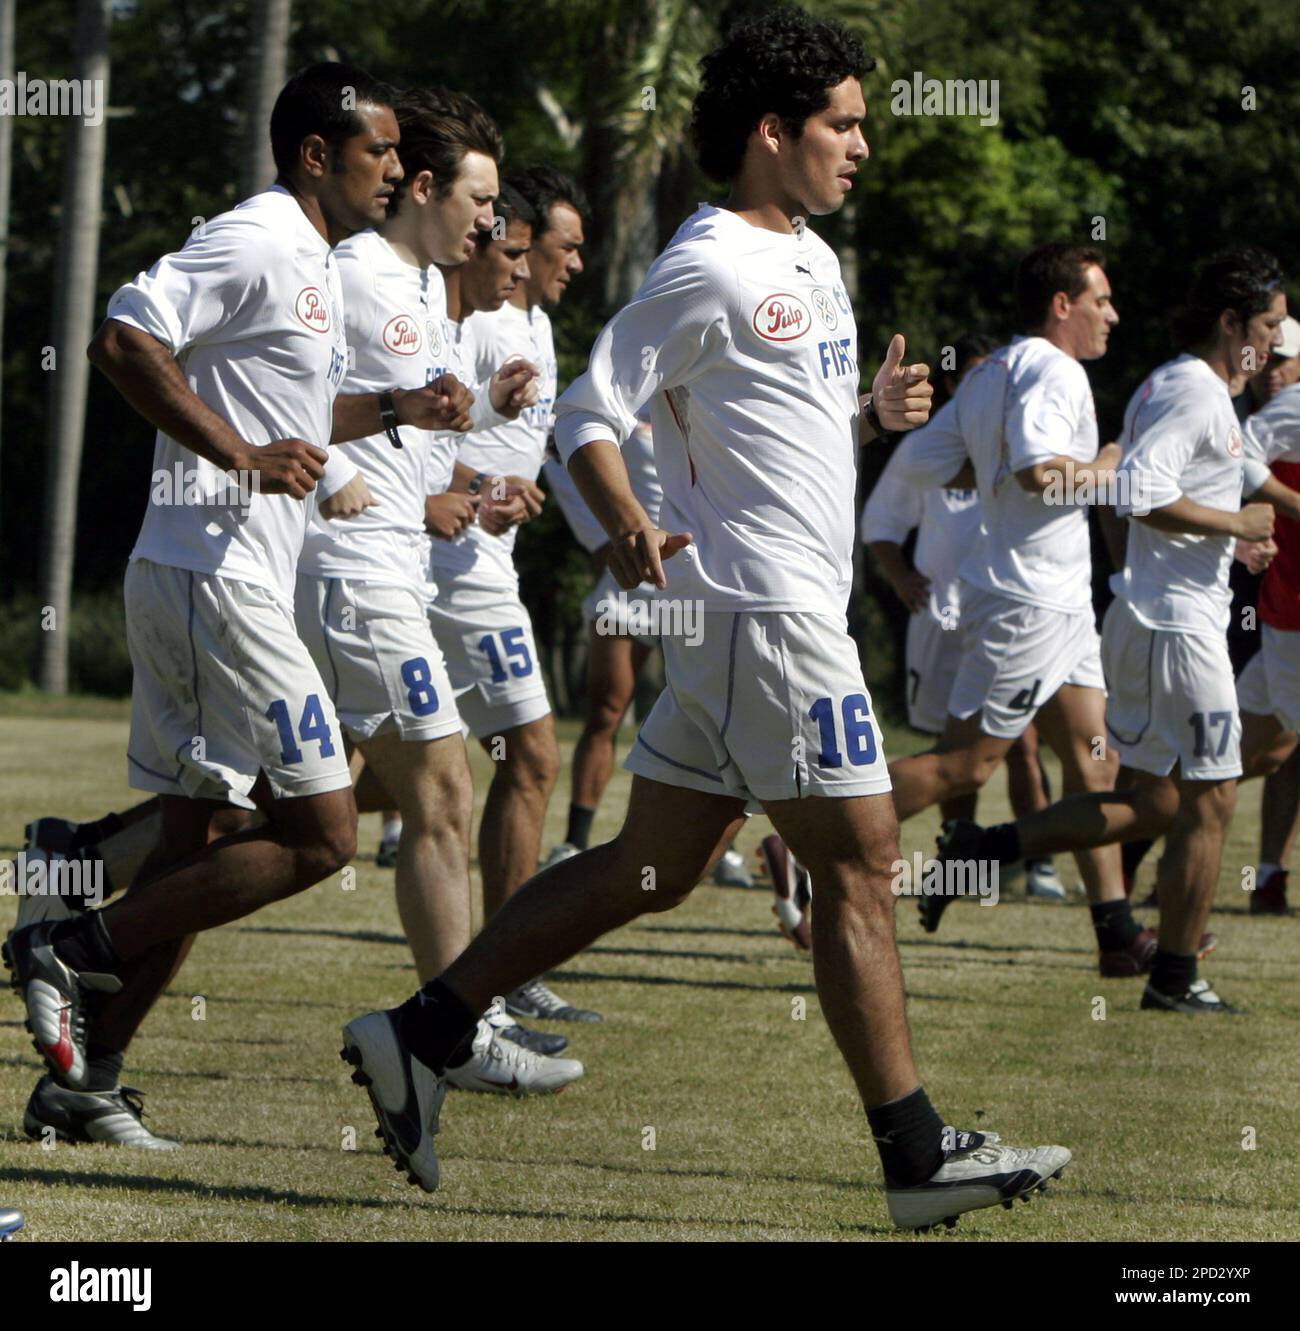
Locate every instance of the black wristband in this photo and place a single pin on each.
(873, 417)
(477, 483)
(388, 418)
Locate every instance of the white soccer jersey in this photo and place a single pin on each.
(1180, 438)
(1028, 403)
(744, 342)
(638, 454)
(1272, 434)
(251, 308)
(509, 448)
(948, 521)
(394, 316)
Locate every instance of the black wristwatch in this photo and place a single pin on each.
(477, 483)
(388, 418)
(873, 417)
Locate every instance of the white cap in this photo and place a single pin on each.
(1290, 344)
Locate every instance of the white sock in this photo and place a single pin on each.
(392, 829)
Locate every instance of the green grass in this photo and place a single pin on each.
(758, 1133)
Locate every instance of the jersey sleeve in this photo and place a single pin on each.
(1273, 433)
(676, 326)
(894, 507)
(1159, 441)
(932, 454)
(1044, 413)
(215, 288)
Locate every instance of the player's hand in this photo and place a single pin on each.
(285, 467)
(514, 387)
(600, 560)
(913, 589)
(500, 507)
(352, 499)
(901, 394)
(639, 556)
(1256, 555)
(1255, 522)
(530, 492)
(447, 515)
(441, 405)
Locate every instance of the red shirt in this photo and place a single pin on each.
(1279, 596)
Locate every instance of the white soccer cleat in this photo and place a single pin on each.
(115, 1117)
(564, 851)
(973, 1177)
(540, 1002)
(405, 1095)
(1043, 882)
(10, 1223)
(499, 1065)
(731, 870)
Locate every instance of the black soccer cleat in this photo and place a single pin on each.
(1197, 998)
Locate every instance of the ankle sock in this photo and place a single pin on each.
(1172, 973)
(1114, 924)
(433, 1022)
(1001, 843)
(909, 1137)
(103, 1067)
(91, 834)
(83, 944)
(580, 820)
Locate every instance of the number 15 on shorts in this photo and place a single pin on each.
(859, 742)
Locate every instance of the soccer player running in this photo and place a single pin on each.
(1030, 650)
(946, 520)
(1172, 712)
(753, 390)
(234, 349)
(360, 600)
(482, 626)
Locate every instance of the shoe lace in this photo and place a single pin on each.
(537, 992)
(132, 1100)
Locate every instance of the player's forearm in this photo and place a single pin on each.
(1066, 476)
(356, 416)
(1282, 497)
(1187, 518)
(889, 555)
(599, 472)
(145, 372)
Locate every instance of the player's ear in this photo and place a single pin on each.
(314, 155)
(422, 188)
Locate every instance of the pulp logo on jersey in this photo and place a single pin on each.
(401, 335)
(825, 308)
(312, 310)
(781, 317)
(1234, 442)
(103, 1284)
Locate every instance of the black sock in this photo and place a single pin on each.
(580, 820)
(1172, 973)
(1000, 843)
(433, 1022)
(1044, 863)
(103, 1067)
(89, 834)
(1132, 853)
(83, 944)
(909, 1137)
(1116, 928)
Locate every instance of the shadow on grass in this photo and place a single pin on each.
(191, 1188)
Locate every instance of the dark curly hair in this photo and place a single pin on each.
(784, 62)
(1243, 280)
(543, 187)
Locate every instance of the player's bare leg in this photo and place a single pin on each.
(1265, 745)
(1279, 818)
(434, 791)
(510, 834)
(959, 764)
(564, 908)
(850, 846)
(613, 663)
(1027, 789)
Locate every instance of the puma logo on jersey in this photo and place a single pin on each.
(781, 318)
(313, 310)
(402, 335)
(836, 358)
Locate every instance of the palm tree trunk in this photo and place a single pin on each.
(267, 61)
(74, 311)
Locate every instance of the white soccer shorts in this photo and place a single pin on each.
(1270, 683)
(932, 657)
(1172, 699)
(622, 613)
(764, 706)
(224, 689)
(1016, 656)
(374, 649)
(487, 641)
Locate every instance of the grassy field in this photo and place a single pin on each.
(757, 1131)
